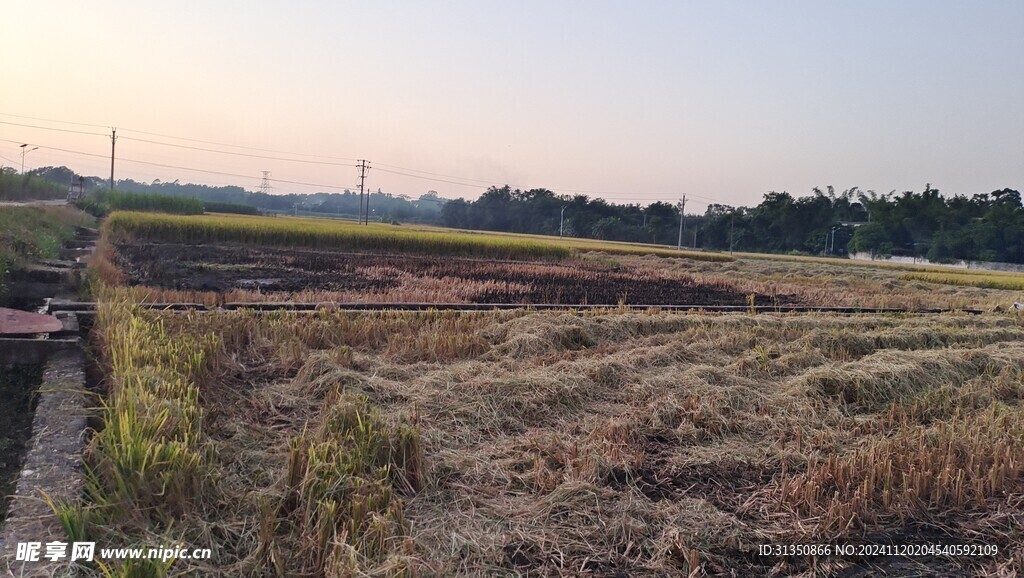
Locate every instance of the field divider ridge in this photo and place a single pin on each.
(84, 307)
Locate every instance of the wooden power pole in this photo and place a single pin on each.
(363, 166)
(682, 226)
(113, 142)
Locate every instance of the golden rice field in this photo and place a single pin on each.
(317, 233)
(325, 233)
(984, 280)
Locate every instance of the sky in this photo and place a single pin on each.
(631, 101)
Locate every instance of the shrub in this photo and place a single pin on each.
(235, 208)
(103, 202)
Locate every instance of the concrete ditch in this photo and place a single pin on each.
(52, 465)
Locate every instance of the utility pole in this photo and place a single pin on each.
(682, 207)
(732, 225)
(113, 142)
(363, 166)
(366, 220)
(561, 222)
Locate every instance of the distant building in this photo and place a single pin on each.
(76, 190)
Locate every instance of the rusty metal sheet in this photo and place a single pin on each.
(13, 321)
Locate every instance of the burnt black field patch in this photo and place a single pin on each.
(267, 269)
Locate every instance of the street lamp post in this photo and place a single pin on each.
(25, 150)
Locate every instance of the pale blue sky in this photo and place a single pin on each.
(647, 100)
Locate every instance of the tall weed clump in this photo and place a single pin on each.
(102, 202)
(29, 188)
(342, 490)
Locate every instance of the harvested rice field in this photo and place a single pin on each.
(524, 443)
(213, 259)
(247, 273)
(541, 444)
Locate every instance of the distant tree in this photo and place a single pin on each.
(58, 175)
(870, 238)
(606, 228)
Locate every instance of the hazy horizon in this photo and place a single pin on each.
(720, 101)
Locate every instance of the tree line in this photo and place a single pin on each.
(384, 207)
(984, 227)
(15, 187)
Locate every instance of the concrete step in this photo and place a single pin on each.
(33, 290)
(21, 350)
(44, 274)
(87, 233)
(80, 244)
(73, 254)
(58, 263)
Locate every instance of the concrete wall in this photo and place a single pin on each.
(52, 466)
(982, 265)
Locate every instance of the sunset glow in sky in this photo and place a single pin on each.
(640, 101)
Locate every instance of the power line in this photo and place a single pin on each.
(51, 120)
(170, 137)
(186, 146)
(167, 166)
(230, 174)
(238, 154)
(51, 128)
(241, 146)
(402, 171)
(301, 183)
(55, 148)
(486, 182)
(603, 194)
(433, 179)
